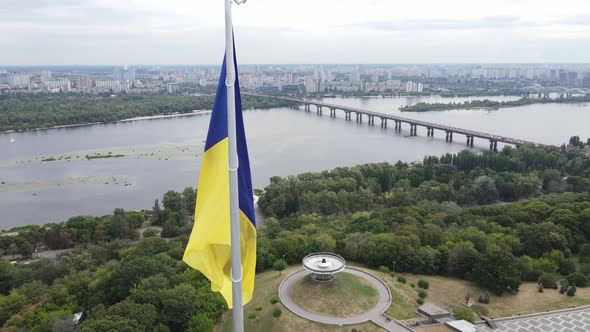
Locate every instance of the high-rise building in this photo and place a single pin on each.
(312, 85)
(45, 76)
(117, 74)
(84, 84)
(375, 77)
(355, 75)
(19, 80)
(131, 75)
(290, 78)
(414, 87)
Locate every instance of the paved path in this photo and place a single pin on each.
(374, 314)
(567, 320)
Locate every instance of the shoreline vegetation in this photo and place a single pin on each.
(489, 104)
(24, 113)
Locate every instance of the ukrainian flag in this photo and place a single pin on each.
(209, 247)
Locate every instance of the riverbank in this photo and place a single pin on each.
(19, 113)
(489, 104)
(139, 118)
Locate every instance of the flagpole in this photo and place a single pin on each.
(236, 257)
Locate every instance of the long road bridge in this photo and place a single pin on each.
(398, 121)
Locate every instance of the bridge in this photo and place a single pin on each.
(398, 121)
(543, 92)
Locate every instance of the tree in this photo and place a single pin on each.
(548, 280)
(112, 323)
(571, 291)
(134, 269)
(577, 279)
(189, 197)
(179, 305)
(157, 213)
(143, 314)
(426, 261)
(5, 277)
(462, 259)
(279, 265)
(484, 190)
(12, 250)
(200, 323)
(119, 225)
(496, 270)
(172, 200)
(170, 228)
(553, 181)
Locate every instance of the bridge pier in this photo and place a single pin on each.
(494, 145)
(429, 132)
(398, 126)
(383, 122)
(470, 141)
(449, 137)
(332, 112)
(359, 117)
(371, 120)
(307, 107)
(347, 115)
(318, 109)
(413, 130)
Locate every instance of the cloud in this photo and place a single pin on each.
(291, 31)
(489, 22)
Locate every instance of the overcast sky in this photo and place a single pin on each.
(61, 32)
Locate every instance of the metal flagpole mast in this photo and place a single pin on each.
(236, 256)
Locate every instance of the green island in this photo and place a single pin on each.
(44, 111)
(103, 156)
(486, 103)
(511, 228)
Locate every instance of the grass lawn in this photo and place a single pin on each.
(267, 284)
(449, 293)
(346, 296)
(403, 302)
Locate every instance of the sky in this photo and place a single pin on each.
(109, 32)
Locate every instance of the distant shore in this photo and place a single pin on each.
(139, 118)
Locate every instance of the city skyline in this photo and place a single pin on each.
(66, 32)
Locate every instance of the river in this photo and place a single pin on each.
(163, 154)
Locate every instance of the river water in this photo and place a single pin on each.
(164, 154)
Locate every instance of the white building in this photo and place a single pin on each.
(19, 80)
(414, 87)
(45, 76)
(114, 86)
(61, 85)
(172, 87)
(312, 85)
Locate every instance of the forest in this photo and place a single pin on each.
(497, 219)
(486, 103)
(25, 112)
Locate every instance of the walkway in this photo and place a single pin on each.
(566, 320)
(375, 314)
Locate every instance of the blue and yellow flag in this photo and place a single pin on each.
(209, 247)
